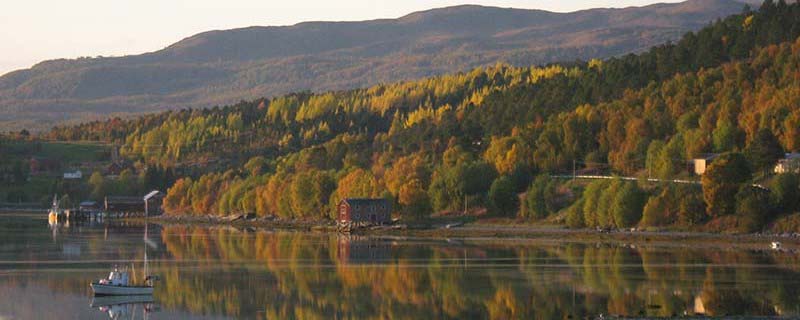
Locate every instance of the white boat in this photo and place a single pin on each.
(55, 212)
(118, 284)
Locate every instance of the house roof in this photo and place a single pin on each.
(88, 203)
(707, 156)
(792, 156)
(364, 201)
(117, 199)
(151, 194)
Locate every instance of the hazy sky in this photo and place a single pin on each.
(36, 30)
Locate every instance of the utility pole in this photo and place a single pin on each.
(465, 203)
(573, 169)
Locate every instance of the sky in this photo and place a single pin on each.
(35, 30)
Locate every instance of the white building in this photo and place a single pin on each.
(73, 175)
(789, 163)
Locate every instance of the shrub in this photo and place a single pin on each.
(628, 204)
(575, 214)
(502, 198)
(785, 192)
(721, 182)
(752, 209)
(539, 200)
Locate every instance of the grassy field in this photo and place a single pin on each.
(40, 187)
(74, 153)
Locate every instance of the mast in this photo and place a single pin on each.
(145, 251)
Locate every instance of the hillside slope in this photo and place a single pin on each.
(221, 67)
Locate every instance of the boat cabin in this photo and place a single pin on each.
(116, 278)
(363, 211)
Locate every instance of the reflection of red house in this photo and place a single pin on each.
(39, 165)
(363, 250)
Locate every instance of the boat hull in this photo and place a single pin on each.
(110, 290)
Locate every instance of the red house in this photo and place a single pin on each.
(363, 211)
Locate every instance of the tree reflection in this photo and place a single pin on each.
(297, 275)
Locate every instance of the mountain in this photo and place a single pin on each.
(221, 67)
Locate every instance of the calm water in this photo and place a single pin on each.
(228, 273)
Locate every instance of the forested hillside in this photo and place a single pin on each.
(223, 67)
(493, 137)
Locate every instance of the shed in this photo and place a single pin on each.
(364, 210)
(124, 205)
(89, 206)
(77, 174)
(701, 164)
(152, 203)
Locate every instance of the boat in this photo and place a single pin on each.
(118, 284)
(55, 212)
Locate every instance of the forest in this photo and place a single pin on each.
(492, 139)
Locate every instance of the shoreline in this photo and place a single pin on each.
(494, 230)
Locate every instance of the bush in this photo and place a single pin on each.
(721, 182)
(659, 209)
(591, 199)
(539, 200)
(785, 192)
(575, 215)
(752, 209)
(790, 223)
(691, 210)
(502, 198)
(628, 204)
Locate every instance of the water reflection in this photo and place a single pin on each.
(125, 307)
(225, 272)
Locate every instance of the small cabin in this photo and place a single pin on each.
(77, 174)
(124, 205)
(152, 203)
(89, 206)
(700, 165)
(364, 210)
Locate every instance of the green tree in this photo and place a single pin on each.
(575, 214)
(722, 181)
(628, 204)
(725, 136)
(752, 209)
(538, 201)
(785, 192)
(502, 198)
(763, 151)
(97, 185)
(256, 166)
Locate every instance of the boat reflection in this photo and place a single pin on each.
(125, 307)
